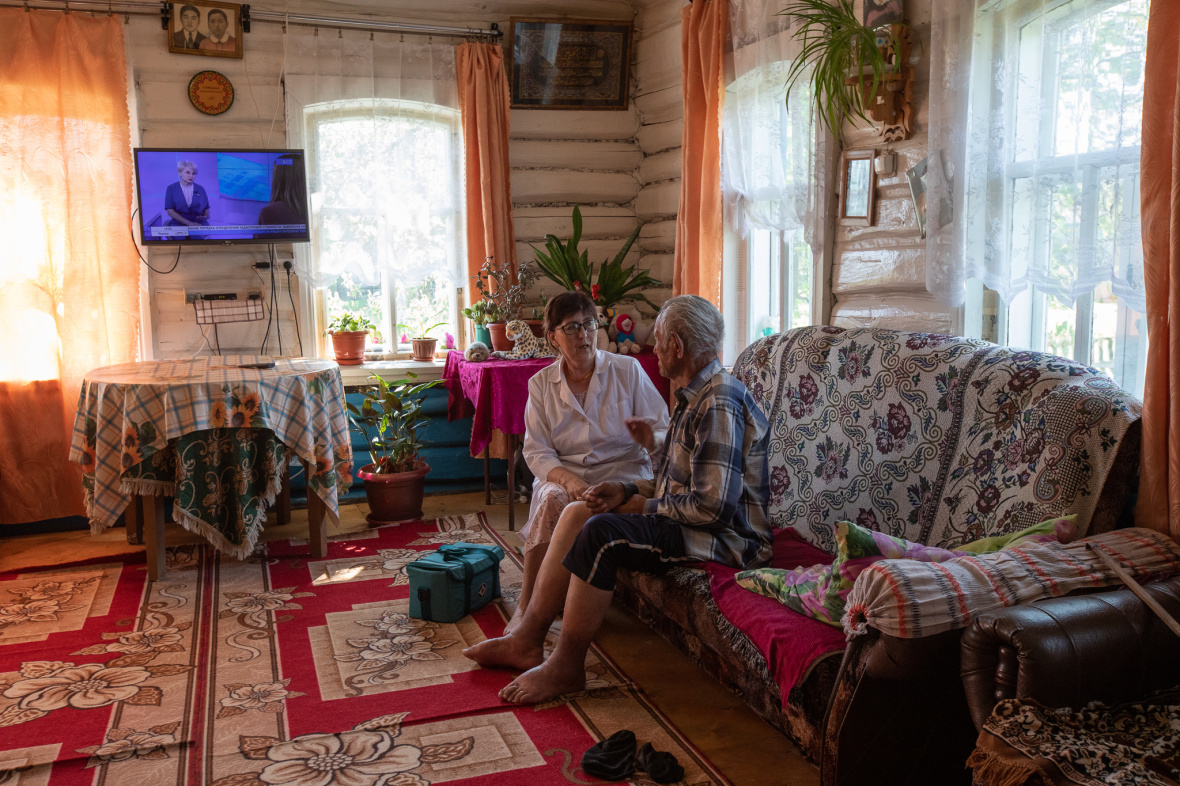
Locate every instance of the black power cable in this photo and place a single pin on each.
(131, 231)
(295, 311)
(270, 310)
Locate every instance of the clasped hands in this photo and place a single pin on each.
(609, 496)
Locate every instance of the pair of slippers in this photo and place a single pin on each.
(616, 757)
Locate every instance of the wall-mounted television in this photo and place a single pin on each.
(221, 196)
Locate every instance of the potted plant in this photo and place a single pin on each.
(495, 285)
(390, 417)
(847, 63)
(423, 343)
(481, 312)
(572, 269)
(348, 332)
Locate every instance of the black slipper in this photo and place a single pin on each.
(613, 759)
(661, 767)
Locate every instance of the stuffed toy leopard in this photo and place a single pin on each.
(527, 345)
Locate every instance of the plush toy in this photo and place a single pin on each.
(527, 345)
(602, 340)
(626, 336)
(643, 331)
(476, 352)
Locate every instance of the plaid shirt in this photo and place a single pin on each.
(712, 477)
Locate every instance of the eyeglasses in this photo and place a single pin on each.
(590, 325)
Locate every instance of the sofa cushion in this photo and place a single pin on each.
(820, 591)
(930, 438)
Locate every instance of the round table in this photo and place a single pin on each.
(215, 435)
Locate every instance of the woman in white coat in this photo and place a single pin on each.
(575, 431)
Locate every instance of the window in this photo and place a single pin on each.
(1055, 113)
(769, 175)
(387, 235)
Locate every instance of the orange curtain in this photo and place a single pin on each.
(69, 273)
(1159, 193)
(483, 102)
(697, 264)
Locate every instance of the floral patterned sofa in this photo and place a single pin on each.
(931, 438)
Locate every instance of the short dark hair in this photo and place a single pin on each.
(568, 304)
(213, 11)
(192, 8)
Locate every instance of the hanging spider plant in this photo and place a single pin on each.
(835, 46)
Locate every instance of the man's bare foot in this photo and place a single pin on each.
(507, 652)
(517, 616)
(547, 681)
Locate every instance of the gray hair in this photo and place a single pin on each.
(182, 165)
(697, 322)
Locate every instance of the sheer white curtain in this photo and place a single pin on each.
(1033, 169)
(773, 169)
(378, 117)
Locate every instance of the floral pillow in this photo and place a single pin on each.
(820, 591)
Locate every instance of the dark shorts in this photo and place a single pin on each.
(610, 541)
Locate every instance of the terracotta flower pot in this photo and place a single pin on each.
(500, 342)
(424, 348)
(394, 497)
(349, 346)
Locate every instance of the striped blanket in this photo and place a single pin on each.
(911, 599)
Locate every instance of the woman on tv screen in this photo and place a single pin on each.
(185, 201)
(288, 193)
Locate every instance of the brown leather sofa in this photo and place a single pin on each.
(1067, 652)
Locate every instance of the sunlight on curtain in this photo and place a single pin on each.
(68, 271)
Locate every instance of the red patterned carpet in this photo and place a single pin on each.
(281, 670)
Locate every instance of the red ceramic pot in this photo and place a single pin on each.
(394, 496)
(349, 346)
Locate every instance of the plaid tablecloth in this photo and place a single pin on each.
(131, 416)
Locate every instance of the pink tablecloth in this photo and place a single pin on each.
(495, 392)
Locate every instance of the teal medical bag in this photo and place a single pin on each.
(448, 584)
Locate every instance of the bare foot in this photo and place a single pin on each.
(507, 652)
(547, 681)
(517, 616)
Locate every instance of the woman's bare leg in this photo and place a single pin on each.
(523, 647)
(532, 566)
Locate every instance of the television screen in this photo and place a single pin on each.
(221, 196)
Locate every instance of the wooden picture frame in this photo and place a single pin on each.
(858, 188)
(569, 63)
(878, 13)
(189, 31)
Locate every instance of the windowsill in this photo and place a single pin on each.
(391, 370)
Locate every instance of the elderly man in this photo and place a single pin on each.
(707, 502)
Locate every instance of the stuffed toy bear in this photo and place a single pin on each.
(477, 351)
(527, 345)
(643, 331)
(625, 338)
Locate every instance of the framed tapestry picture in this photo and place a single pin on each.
(209, 28)
(570, 63)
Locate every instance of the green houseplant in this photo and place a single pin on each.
(497, 287)
(348, 332)
(571, 268)
(390, 417)
(842, 58)
(481, 312)
(420, 339)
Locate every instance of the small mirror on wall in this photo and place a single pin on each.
(858, 187)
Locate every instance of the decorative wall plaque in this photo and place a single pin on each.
(210, 92)
(570, 63)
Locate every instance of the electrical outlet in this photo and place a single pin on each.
(191, 297)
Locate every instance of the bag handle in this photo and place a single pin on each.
(468, 577)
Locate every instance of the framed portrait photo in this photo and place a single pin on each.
(570, 63)
(206, 28)
(858, 188)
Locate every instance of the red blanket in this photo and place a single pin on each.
(790, 642)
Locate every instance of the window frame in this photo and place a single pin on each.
(1022, 322)
(313, 300)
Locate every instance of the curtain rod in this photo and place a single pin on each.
(139, 8)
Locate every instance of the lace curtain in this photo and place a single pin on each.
(1033, 167)
(774, 152)
(391, 205)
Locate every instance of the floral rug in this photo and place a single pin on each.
(285, 670)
